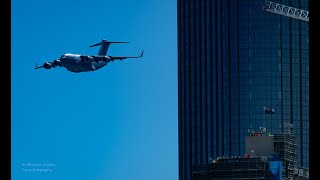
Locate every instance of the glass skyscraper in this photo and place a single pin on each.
(235, 59)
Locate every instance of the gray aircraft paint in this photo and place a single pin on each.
(84, 63)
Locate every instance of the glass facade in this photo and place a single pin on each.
(234, 59)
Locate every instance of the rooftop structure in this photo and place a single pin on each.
(238, 168)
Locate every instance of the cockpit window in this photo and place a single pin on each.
(64, 56)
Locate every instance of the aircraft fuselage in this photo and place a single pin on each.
(84, 63)
(81, 63)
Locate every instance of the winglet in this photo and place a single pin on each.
(142, 53)
(36, 66)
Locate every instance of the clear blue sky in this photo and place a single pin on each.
(119, 122)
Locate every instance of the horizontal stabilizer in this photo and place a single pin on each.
(96, 44)
(106, 42)
(117, 42)
(104, 46)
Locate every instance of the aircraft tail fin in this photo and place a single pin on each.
(104, 46)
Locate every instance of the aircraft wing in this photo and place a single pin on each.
(124, 57)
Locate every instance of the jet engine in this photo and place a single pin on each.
(57, 62)
(48, 65)
(106, 59)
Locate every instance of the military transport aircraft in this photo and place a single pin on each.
(83, 63)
